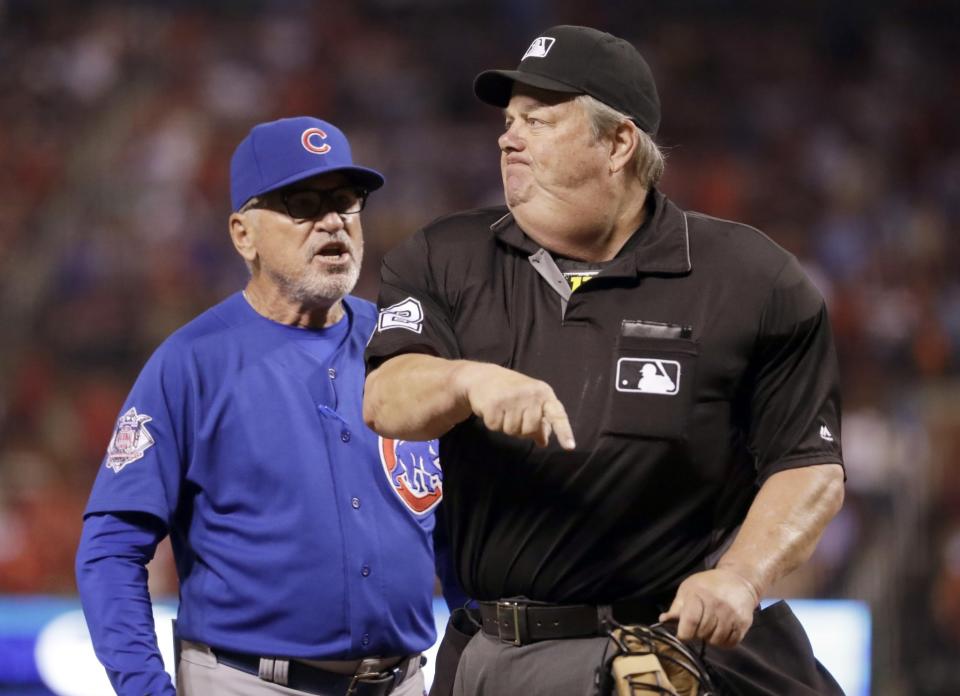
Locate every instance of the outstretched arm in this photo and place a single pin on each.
(780, 532)
(420, 397)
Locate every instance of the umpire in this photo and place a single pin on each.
(683, 363)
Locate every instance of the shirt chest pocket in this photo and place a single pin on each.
(652, 387)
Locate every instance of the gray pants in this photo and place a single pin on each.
(199, 674)
(774, 659)
(490, 667)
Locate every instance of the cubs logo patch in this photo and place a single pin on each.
(312, 141)
(130, 440)
(648, 376)
(413, 472)
(539, 48)
(403, 315)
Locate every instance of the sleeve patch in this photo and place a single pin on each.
(407, 314)
(130, 440)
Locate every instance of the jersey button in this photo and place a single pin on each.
(365, 571)
(365, 640)
(332, 373)
(355, 502)
(345, 435)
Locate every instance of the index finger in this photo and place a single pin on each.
(556, 416)
(673, 613)
(690, 619)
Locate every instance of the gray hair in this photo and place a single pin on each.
(648, 160)
(249, 204)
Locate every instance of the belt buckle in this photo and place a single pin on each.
(513, 608)
(359, 676)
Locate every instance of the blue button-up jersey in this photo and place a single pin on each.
(296, 530)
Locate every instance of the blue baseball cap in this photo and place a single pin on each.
(282, 152)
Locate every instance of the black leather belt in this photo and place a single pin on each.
(313, 680)
(521, 622)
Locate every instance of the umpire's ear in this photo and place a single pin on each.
(623, 143)
(243, 236)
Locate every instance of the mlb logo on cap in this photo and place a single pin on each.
(539, 48)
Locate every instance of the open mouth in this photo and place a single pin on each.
(334, 251)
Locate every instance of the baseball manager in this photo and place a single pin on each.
(637, 404)
(303, 542)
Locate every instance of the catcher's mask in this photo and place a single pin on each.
(651, 660)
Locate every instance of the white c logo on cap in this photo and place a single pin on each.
(309, 146)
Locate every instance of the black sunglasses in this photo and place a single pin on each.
(313, 204)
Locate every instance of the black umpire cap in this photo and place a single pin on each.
(581, 60)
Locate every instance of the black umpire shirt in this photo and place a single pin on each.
(693, 366)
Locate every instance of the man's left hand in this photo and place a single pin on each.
(715, 606)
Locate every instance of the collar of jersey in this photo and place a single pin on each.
(660, 246)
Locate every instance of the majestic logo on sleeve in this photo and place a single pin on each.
(539, 48)
(648, 376)
(130, 440)
(403, 315)
(413, 471)
(825, 433)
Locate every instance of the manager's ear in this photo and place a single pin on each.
(243, 235)
(624, 141)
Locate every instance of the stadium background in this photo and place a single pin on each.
(830, 126)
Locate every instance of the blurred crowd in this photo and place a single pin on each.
(832, 127)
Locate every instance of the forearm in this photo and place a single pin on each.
(112, 579)
(419, 397)
(415, 397)
(784, 524)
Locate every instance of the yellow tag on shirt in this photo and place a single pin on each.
(578, 278)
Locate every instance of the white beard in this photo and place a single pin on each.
(323, 286)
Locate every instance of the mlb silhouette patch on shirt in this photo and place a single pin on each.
(648, 376)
